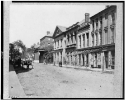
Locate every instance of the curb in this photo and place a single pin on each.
(15, 88)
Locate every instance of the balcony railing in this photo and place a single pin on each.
(100, 29)
(92, 32)
(96, 31)
(106, 27)
(112, 25)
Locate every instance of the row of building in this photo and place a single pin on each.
(89, 43)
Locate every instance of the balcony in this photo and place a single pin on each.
(71, 45)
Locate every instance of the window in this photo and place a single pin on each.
(58, 43)
(106, 37)
(106, 19)
(93, 40)
(96, 23)
(71, 38)
(87, 39)
(80, 41)
(61, 42)
(83, 40)
(112, 37)
(93, 25)
(68, 38)
(113, 17)
(100, 22)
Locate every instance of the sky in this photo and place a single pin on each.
(30, 23)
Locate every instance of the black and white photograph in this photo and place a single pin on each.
(63, 49)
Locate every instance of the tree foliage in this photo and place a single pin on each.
(14, 49)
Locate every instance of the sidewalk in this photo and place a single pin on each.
(86, 68)
(15, 88)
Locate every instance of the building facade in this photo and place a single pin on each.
(59, 44)
(103, 38)
(89, 43)
(46, 44)
(71, 43)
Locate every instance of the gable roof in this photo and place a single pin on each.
(61, 28)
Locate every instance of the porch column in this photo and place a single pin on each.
(89, 55)
(81, 59)
(109, 59)
(102, 61)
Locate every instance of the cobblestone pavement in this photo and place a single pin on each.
(49, 81)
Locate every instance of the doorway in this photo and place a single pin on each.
(106, 59)
(83, 59)
(95, 59)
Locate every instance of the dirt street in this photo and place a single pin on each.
(49, 81)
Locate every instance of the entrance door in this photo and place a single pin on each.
(87, 60)
(83, 59)
(106, 59)
(95, 59)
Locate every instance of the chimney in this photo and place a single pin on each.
(86, 17)
(48, 32)
(107, 6)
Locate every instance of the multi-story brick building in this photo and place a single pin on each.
(83, 42)
(71, 42)
(46, 43)
(103, 38)
(89, 43)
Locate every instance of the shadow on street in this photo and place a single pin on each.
(10, 68)
(22, 70)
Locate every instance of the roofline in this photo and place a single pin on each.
(112, 6)
(75, 26)
(46, 36)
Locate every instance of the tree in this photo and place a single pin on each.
(16, 49)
